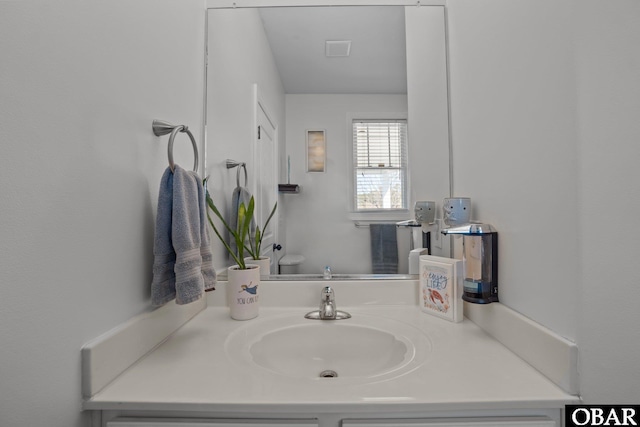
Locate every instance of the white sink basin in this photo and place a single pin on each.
(329, 347)
(363, 348)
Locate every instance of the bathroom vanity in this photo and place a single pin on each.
(388, 365)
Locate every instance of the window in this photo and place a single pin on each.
(380, 164)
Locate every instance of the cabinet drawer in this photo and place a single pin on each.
(455, 422)
(174, 422)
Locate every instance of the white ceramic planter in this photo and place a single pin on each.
(264, 262)
(242, 292)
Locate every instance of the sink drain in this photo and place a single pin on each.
(328, 374)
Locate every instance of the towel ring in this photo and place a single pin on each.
(161, 127)
(240, 165)
(243, 166)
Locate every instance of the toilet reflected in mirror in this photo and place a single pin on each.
(290, 264)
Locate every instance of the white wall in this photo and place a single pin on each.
(514, 146)
(608, 81)
(80, 83)
(240, 56)
(319, 221)
(78, 198)
(319, 225)
(545, 101)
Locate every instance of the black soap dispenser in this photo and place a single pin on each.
(480, 256)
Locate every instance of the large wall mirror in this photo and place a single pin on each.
(277, 77)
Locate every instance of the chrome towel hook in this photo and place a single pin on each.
(160, 127)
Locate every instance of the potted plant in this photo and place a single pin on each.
(255, 244)
(238, 234)
(243, 278)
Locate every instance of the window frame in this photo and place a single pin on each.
(376, 214)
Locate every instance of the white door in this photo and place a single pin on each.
(266, 176)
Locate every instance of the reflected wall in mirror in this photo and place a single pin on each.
(268, 69)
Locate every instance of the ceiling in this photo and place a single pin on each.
(377, 62)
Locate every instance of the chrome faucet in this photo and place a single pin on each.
(327, 304)
(327, 309)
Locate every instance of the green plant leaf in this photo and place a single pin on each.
(259, 240)
(215, 210)
(258, 243)
(241, 231)
(273, 211)
(212, 206)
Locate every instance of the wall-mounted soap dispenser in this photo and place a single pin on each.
(480, 255)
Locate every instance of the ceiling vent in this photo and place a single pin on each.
(337, 48)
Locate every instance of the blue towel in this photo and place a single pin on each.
(182, 267)
(384, 248)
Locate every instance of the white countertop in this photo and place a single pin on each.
(466, 369)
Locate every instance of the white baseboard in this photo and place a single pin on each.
(106, 357)
(554, 356)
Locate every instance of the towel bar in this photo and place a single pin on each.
(366, 224)
(401, 224)
(160, 127)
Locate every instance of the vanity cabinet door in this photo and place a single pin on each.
(456, 422)
(159, 422)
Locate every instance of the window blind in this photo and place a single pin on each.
(380, 164)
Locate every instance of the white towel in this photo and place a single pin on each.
(183, 266)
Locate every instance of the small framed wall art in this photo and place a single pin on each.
(441, 287)
(316, 151)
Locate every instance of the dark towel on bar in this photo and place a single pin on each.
(384, 248)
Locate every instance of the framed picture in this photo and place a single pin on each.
(316, 151)
(441, 287)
